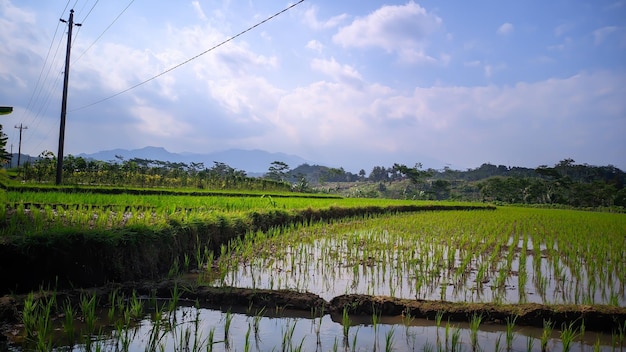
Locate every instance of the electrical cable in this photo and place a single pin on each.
(106, 29)
(39, 85)
(192, 58)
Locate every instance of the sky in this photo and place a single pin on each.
(352, 84)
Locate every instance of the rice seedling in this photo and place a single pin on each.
(455, 341)
(428, 347)
(257, 319)
(300, 346)
(287, 336)
(389, 340)
(568, 335)
(29, 315)
(530, 342)
(497, 347)
(68, 323)
(136, 306)
(354, 339)
(510, 333)
(407, 319)
(345, 322)
(88, 311)
(545, 335)
(227, 321)
(474, 325)
(596, 345)
(210, 340)
(447, 333)
(155, 335)
(246, 346)
(335, 345)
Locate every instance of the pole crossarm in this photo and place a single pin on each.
(19, 148)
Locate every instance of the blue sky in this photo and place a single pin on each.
(342, 83)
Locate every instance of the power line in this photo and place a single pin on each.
(85, 18)
(45, 100)
(192, 58)
(40, 84)
(38, 88)
(106, 29)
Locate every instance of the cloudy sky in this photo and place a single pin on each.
(352, 83)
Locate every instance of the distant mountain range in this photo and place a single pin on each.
(251, 161)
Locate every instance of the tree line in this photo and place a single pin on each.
(565, 183)
(139, 172)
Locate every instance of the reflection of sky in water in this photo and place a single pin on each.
(328, 268)
(321, 334)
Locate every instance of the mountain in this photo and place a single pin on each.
(252, 161)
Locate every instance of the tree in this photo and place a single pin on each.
(277, 171)
(379, 174)
(361, 174)
(441, 189)
(4, 156)
(414, 174)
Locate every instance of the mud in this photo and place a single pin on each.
(599, 318)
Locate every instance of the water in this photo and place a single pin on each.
(330, 268)
(190, 328)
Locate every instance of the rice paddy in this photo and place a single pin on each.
(131, 323)
(508, 256)
(513, 255)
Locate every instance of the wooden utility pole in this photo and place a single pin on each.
(70, 24)
(19, 148)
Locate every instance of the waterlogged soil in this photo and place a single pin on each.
(599, 318)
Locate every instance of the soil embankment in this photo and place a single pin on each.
(599, 318)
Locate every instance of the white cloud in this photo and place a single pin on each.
(600, 34)
(156, 123)
(310, 19)
(492, 122)
(332, 109)
(21, 42)
(403, 29)
(505, 29)
(199, 12)
(340, 73)
(315, 45)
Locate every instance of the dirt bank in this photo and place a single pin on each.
(599, 318)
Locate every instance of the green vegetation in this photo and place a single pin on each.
(233, 231)
(145, 173)
(469, 256)
(565, 184)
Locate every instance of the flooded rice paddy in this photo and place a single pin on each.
(508, 256)
(190, 328)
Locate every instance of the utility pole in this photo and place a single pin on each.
(19, 148)
(70, 24)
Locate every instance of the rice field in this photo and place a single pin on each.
(508, 256)
(34, 212)
(512, 255)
